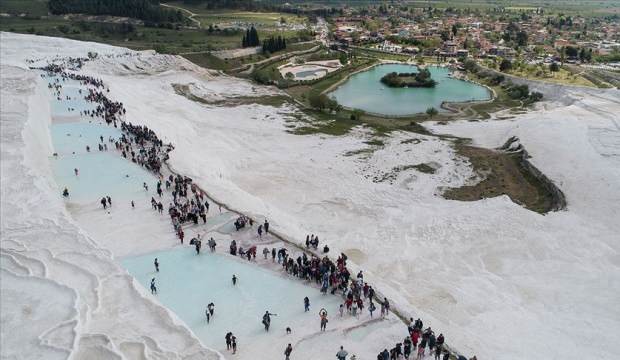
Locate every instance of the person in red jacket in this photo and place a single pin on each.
(415, 336)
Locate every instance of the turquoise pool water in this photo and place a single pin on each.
(101, 173)
(74, 137)
(188, 282)
(70, 88)
(366, 92)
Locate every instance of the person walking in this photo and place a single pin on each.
(287, 352)
(153, 287)
(371, 308)
(342, 354)
(228, 338)
(156, 265)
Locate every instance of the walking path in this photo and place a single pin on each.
(191, 14)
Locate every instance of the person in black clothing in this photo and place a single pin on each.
(288, 351)
(228, 338)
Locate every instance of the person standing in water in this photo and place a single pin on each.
(156, 263)
(234, 279)
(211, 308)
(306, 304)
(266, 226)
(153, 287)
(76, 171)
(234, 344)
(228, 338)
(267, 320)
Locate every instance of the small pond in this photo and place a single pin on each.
(366, 92)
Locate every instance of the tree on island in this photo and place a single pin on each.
(431, 111)
(419, 79)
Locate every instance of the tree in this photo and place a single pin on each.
(431, 111)
(572, 52)
(554, 67)
(343, 58)
(146, 10)
(522, 38)
(505, 65)
(317, 100)
(470, 65)
(455, 29)
(445, 36)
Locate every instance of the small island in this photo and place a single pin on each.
(419, 79)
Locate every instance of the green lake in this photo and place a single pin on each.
(366, 92)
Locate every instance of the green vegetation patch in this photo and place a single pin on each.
(502, 174)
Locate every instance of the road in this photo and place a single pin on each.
(191, 14)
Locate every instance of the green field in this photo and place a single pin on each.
(165, 40)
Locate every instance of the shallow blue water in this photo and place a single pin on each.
(69, 88)
(188, 282)
(365, 91)
(74, 137)
(101, 173)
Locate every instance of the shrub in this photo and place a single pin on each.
(431, 111)
(505, 65)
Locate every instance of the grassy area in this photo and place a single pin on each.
(541, 72)
(562, 76)
(210, 61)
(258, 19)
(502, 175)
(214, 16)
(161, 39)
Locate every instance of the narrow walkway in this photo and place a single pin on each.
(191, 14)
